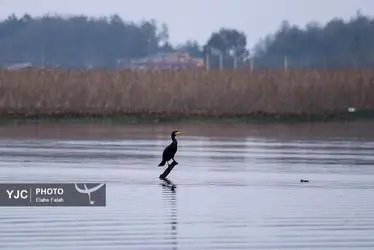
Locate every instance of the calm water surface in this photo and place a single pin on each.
(238, 187)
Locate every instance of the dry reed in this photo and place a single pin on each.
(185, 93)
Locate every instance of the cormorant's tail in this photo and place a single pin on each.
(162, 163)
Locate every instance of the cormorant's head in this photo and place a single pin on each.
(174, 133)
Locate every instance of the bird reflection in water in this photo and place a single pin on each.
(169, 195)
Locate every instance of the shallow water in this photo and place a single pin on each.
(238, 187)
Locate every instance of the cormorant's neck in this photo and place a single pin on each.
(173, 139)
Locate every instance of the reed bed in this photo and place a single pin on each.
(168, 93)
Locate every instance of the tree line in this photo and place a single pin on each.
(106, 42)
(337, 44)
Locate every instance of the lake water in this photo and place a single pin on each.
(238, 187)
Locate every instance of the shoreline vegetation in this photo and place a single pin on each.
(129, 96)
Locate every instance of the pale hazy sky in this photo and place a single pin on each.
(196, 19)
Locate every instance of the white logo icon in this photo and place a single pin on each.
(88, 191)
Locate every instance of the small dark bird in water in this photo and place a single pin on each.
(170, 150)
(302, 180)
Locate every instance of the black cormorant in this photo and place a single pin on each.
(170, 150)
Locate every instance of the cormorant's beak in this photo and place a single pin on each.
(178, 132)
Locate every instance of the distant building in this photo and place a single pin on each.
(19, 66)
(167, 60)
